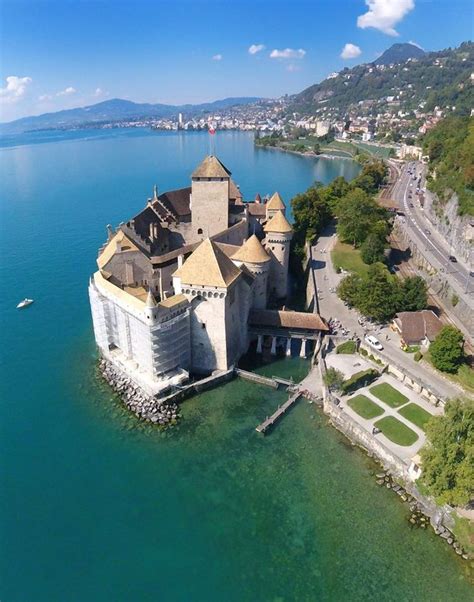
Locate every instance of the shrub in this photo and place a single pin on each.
(363, 352)
(418, 355)
(334, 379)
(454, 300)
(347, 347)
(359, 379)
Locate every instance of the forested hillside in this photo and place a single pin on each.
(436, 78)
(450, 146)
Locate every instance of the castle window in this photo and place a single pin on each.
(282, 248)
(199, 230)
(203, 326)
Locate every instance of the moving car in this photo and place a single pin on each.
(373, 342)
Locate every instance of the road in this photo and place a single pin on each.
(330, 306)
(429, 242)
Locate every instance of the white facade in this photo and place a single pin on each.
(152, 343)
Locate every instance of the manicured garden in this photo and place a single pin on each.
(347, 347)
(396, 431)
(414, 413)
(389, 395)
(366, 408)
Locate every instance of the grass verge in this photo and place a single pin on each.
(345, 257)
(363, 406)
(388, 395)
(464, 532)
(414, 413)
(396, 431)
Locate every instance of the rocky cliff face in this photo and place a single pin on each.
(456, 229)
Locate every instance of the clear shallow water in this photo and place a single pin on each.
(94, 506)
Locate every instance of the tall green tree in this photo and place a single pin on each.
(448, 456)
(311, 213)
(357, 214)
(379, 294)
(413, 294)
(447, 352)
(373, 248)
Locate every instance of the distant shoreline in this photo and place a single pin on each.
(308, 155)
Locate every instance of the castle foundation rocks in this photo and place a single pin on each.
(142, 405)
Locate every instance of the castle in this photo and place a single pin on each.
(177, 283)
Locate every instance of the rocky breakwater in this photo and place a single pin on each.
(417, 517)
(142, 405)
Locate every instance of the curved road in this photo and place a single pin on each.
(430, 243)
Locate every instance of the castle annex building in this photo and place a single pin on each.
(176, 284)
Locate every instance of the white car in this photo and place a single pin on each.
(373, 342)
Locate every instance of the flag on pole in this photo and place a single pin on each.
(211, 129)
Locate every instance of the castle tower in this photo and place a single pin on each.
(257, 261)
(210, 198)
(274, 205)
(277, 243)
(219, 295)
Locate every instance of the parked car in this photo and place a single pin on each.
(471, 274)
(427, 231)
(373, 342)
(452, 259)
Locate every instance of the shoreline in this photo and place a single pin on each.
(307, 155)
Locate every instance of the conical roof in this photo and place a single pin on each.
(278, 223)
(276, 202)
(251, 252)
(211, 167)
(208, 266)
(150, 300)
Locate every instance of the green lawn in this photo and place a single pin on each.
(388, 395)
(396, 431)
(415, 414)
(347, 258)
(363, 406)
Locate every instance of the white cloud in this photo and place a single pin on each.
(385, 14)
(254, 48)
(99, 92)
(15, 88)
(217, 57)
(67, 92)
(287, 53)
(292, 68)
(350, 51)
(45, 97)
(415, 44)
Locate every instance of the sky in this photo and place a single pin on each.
(60, 54)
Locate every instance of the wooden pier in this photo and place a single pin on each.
(270, 421)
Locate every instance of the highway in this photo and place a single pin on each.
(427, 240)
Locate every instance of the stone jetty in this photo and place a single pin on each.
(142, 405)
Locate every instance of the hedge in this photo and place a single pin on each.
(359, 379)
(347, 347)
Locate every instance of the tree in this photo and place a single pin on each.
(311, 213)
(349, 289)
(372, 249)
(448, 456)
(446, 350)
(378, 297)
(413, 294)
(334, 379)
(357, 214)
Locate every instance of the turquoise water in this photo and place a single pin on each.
(95, 506)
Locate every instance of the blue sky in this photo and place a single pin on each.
(62, 54)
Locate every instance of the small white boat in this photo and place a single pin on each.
(24, 303)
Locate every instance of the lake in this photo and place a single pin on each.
(96, 506)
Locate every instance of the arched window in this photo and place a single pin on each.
(199, 230)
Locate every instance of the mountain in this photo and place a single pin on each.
(117, 110)
(399, 53)
(436, 78)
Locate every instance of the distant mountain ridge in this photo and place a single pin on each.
(116, 109)
(435, 78)
(399, 53)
